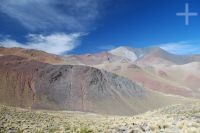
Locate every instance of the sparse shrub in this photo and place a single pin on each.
(153, 127)
(52, 130)
(38, 131)
(19, 131)
(193, 130)
(166, 126)
(180, 124)
(85, 130)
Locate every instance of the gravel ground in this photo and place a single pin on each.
(182, 118)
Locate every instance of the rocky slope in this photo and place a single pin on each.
(153, 55)
(152, 67)
(32, 54)
(141, 56)
(28, 83)
(159, 80)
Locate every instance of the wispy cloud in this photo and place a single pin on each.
(70, 17)
(182, 48)
(73, 15)
(57, 43)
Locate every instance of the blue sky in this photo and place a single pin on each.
(90, 26)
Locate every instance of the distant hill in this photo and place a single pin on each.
(32, 54)
(158, 70)
(152, 67)
(29, 83)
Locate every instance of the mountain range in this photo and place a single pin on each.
(122, 81)
(151, 67)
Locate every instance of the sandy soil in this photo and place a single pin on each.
(180, 118)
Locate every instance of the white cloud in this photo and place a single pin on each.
(57, 43)
(71, 15)
(38, 16)
(182, 48)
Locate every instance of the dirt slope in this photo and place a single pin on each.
(152, 67)
(32, 54)
(28, 83)
(159, 70)
(147, 78)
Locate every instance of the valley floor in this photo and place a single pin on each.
(182, 118)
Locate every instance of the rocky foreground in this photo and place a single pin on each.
(182, 118)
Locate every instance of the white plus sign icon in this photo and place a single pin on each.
(187, 14)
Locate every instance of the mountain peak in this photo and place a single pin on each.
(125, 52)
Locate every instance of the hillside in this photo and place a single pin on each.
(32, 54)
(153, 55)
(151, 67)
(33, 84)
(158, 70)
(147, 77)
